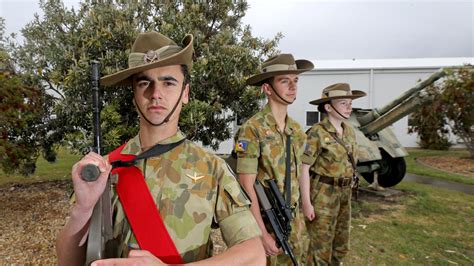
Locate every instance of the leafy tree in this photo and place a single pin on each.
(429, 122)
(458, 98)
(59, 46)
(452, 110)
(23, 112)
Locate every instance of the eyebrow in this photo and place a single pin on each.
(147, 78)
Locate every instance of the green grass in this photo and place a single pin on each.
(426, 226)
(45, 171)
(416, 168)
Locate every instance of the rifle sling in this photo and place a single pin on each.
(288, 172)
(139, 205)
(349, 154)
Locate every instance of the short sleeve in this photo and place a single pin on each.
(247, 148)
(312, 147)
(233, 215)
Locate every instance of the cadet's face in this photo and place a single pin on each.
(343, 106)
(286, 86)
(156, 91)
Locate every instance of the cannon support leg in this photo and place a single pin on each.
(375, 185)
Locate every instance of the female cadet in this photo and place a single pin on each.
(327, 176)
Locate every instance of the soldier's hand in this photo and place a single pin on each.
(269, 244)
(135, 257)
(308, 211)
(87, 193)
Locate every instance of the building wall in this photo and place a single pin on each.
(382, 80)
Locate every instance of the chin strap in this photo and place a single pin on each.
(281, 98)
(330, 103)
(167, 118)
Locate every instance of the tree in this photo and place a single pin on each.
(23, 112)
(59, 46)
(429, 122)
(458, 98)
(451, 110)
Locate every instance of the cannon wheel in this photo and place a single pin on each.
(392, 171)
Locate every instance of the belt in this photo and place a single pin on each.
(334, 181)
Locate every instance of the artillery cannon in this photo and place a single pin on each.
(380, 153)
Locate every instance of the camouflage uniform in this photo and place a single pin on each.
(264, 154)
(329, 231)
(189, 208)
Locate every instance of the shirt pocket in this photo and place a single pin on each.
(334, 152)
(187, 204)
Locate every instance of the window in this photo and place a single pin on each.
(312, 117)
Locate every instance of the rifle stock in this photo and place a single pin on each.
(100, 234)
(275, 217)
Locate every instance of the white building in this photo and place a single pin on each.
(382, 79)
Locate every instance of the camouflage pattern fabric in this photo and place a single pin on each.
(261, 150)
(329, 231)
(193, 190)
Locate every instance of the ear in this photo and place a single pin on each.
(185, 98)
(327, 107)
(266, 89)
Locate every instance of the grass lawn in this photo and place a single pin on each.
(424, 226)
(45, 171)
(416, 168)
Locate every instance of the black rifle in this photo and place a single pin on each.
(100, 243)
(276, 213)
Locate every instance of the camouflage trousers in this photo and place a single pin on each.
(299, 242)
(330, 229)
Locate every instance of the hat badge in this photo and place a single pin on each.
(151, 56)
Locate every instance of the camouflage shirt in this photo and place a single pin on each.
(325, 155)
(189, 208)
(261, 149)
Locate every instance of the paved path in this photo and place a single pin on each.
(468, 189)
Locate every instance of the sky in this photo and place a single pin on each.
(340, 29)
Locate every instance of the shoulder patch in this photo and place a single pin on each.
(241, 145)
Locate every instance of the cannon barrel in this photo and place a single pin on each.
(380, 118)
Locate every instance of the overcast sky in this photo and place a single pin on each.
(341, 29)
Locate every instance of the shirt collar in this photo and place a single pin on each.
(134, 145)
(329, 127)
(267, 111)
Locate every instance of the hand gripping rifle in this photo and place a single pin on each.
(276, 213)
(100, 242)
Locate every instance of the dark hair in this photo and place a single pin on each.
(269, 81)
(187, 76)
(321, 108)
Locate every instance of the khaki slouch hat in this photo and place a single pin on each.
(151, 50)
(279, 65)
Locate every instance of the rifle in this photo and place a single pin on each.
(277, 214)
(100, 243)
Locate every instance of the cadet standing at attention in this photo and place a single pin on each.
(328, 172)
(189, 187)
(261, 149)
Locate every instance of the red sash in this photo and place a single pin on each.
(141, 211)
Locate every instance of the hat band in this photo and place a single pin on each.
(336, 93)
(137, 59)
(279, 67)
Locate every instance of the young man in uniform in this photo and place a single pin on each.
(261, 149)
(190, 187)
(328, 172)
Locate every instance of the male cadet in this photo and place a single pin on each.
(190, 187)
(261, 148)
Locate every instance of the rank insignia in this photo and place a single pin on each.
(194, 177)
(241, 145)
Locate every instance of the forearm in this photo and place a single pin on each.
(252, 248)
(305, 184)
(247, 182)
(70, 247)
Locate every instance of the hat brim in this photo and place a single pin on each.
(355, 94)
(301, 66)
(183, 57)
